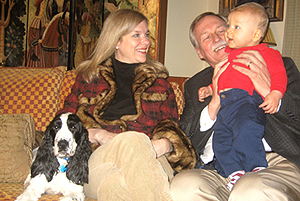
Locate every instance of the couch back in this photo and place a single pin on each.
(36, 91)
(41, 92)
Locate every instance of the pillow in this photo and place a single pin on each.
(33, 91)
(16, 141)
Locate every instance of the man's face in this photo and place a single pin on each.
(210, 35)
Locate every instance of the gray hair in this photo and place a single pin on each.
(194, 24)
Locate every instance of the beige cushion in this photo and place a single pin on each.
(17, 132)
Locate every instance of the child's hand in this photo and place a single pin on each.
(204, 92)
(271, 103)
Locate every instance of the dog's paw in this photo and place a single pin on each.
(67, 199)
(73, 197)
(26, 197)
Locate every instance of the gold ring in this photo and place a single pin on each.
(249, 64)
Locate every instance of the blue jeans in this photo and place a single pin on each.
(238, 133)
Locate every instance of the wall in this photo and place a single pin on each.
(180, 56)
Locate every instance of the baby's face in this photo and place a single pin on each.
(241, 27)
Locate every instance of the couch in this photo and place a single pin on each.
(29, 99)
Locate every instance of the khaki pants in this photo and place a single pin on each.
(126, 168)
(280, 181)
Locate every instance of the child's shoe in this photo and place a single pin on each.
(258, 169)
(234, 177)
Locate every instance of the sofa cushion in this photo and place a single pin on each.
(16, 141)
(66, 86)
(33, 91)
(178, 96)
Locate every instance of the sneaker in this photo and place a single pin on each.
(258, 169)
(233, 178)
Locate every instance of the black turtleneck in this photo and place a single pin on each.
(123, 103)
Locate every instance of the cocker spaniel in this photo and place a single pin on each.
(61, 162)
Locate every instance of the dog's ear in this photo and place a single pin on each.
(77, 169)
(45, 161)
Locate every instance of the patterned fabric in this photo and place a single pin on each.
(66, 87)
(31, 91)
(10, 191)
(178, 97)
(153, 111)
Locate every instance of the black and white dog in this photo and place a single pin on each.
(61, 162)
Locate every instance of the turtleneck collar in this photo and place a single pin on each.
(123, 103)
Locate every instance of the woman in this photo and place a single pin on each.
(128, 94)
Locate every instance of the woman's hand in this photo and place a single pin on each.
(258, 72)
(162, 146)
(101, 136)
(214, 105)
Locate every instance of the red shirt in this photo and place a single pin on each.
(232, 78)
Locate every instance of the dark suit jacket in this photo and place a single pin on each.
(282, 130)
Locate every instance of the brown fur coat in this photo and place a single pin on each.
(183, 156)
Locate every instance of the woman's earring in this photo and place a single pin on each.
(117, 48)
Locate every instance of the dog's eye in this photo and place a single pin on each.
(55, 128)
(73, 128)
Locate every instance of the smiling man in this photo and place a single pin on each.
(281, 180)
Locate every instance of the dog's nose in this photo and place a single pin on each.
(62, 145)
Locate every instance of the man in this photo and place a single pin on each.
(281, 180)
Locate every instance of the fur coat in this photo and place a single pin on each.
(155, 104)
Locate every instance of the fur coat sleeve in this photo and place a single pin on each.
(183, 156)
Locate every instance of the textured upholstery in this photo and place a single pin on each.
(10, 191)
(31, 91)
(67, 83)
(179, 97)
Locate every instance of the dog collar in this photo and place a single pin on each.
(63, 167)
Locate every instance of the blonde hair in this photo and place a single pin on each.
(258, 11)
(117, 24)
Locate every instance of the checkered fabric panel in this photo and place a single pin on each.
(178, 96)
(10, 191)
(33, 91)
(66, 87)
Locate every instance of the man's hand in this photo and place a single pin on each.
(271, 103)
(258, 72)
(204, 92)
